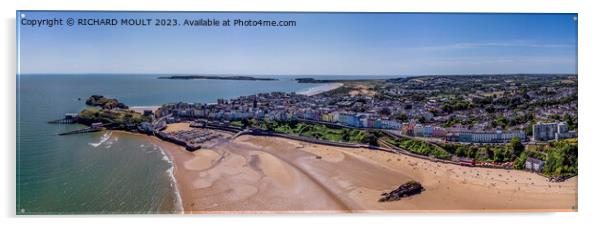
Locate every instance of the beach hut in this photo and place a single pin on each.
(534, 164)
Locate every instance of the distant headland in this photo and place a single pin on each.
(187, 77)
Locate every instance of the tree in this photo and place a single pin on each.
(269, 126)
(370, 139)
(570, 121)
(245, 123)
(461, 151)
(489, 152)
(516, 146)
(293, 123)
(472, 151)
(519, 163)
(502, 121)
(345, 136)
(493, 124)
(561, 160)
(498, 155)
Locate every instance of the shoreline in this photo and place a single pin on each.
(174, 181)
(167, 157)
(321, 89)
(211, 170)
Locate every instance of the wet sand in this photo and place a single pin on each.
(267, 174)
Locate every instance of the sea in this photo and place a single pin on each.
(108, 172)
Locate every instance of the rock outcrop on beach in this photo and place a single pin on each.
(407, 189)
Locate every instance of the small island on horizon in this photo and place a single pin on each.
(238, 77)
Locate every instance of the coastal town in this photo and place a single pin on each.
(425, 136)
(420, 108)
(502, 121)
(484, 111)
(348, 112)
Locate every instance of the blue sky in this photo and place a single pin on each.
(320, 44)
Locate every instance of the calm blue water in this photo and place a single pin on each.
(103, 172)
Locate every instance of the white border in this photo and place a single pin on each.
(589, 101)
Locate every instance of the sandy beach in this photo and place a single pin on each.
(266, 174)
(321, 89)
(182, 126)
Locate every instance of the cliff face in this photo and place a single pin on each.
(112, 113)
(105, 103)
(113, 118)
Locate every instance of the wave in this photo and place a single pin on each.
(110, 143)
(105, 137)
(173, 182)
